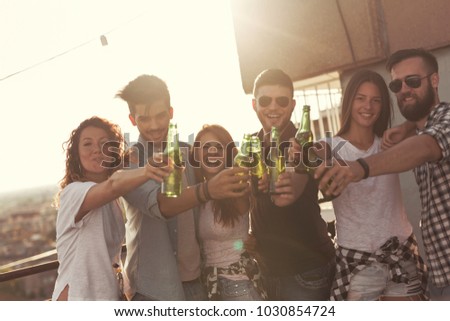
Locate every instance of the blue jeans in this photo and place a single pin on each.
(141, 297)
(438, 294)
(312, 285)
(237, 290)
(194, 291)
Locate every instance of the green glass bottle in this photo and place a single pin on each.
(258, 166)
(171, 186)
(327, 155)
(305, 139)
(242, 157)
(277, 162)
(310, 159)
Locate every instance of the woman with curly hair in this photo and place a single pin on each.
(90, 225)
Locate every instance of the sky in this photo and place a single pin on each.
(54, 73)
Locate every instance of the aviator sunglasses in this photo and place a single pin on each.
(265, 101)
(411, 81)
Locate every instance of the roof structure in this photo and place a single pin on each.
(308, 38)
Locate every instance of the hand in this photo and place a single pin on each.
(288, 188)
(294, 151)
(396, 134)
(154, 170)
(392, 136)
(317, 152)
(335, 177)
(229, 183)
(263, 183)
(251, 246)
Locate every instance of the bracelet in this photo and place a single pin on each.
(197, 193)
(206, 191)
(365, 167)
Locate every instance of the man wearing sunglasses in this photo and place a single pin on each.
(415, 81)
(292, 241)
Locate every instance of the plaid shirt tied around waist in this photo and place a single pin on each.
(245, 266)
(349, 262)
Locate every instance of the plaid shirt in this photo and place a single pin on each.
(349, 262)
(434, 185)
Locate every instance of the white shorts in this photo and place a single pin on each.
(374, 281)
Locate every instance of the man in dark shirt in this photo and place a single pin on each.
(291, 237)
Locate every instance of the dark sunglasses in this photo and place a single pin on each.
(411, 81)
(265, 101)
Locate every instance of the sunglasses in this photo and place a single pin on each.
(411, 81)
(282, 101)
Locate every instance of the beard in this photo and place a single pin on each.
(420, 108)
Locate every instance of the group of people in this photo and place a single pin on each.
(219, 241)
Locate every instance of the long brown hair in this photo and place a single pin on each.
(74, 170)
(225, 211)
(360, 77)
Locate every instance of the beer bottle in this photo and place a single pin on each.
(327, 155)
(304, 137)
(171, 186)
(242, 158)
(258, 166)
(277, 162)
(310, 159)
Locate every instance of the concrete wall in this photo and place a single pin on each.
(409, 187)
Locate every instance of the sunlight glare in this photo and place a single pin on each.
(189, 44)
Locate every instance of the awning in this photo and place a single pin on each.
(307, 38)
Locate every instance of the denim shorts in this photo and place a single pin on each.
(373, 282)
(237, 290)
(311, 285)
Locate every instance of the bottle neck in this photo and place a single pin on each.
(274, 136)
(306, 122)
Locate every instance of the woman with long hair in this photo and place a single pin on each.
(229, 272)
(377, 253)
(90, 226)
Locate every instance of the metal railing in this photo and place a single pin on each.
(34, 269)
(27, 271)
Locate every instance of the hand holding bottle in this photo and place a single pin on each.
(158, 169)
(277, 162)
(262, 185)
(171, 186)
(288, 188)
(229, 183)
(322, 151)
